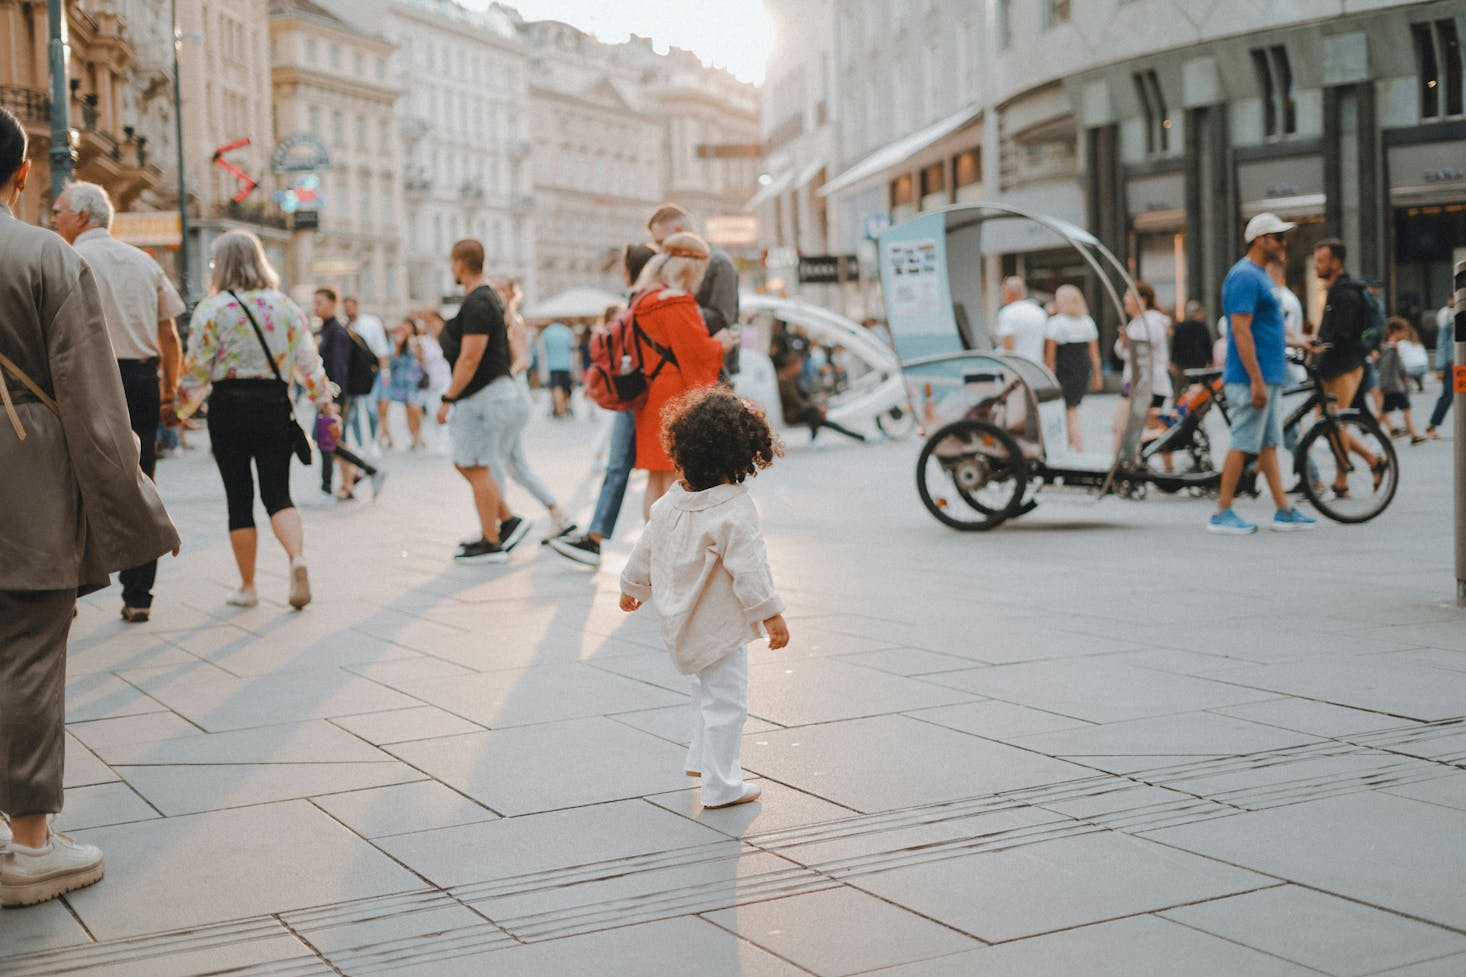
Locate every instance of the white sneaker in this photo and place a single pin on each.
(33, 875)
(5, 835)
(242, 598)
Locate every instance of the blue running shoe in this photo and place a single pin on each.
(1292, 521)
(1228, 523)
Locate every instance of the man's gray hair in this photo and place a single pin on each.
(92, 200)
(1016, 285)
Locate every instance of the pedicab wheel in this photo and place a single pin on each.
(898, 423)
(1343, 485)
(971, 475)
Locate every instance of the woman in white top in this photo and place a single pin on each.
(1152, 325)
(1071, 350)
(249, 409)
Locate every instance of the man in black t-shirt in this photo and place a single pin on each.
(481, 394)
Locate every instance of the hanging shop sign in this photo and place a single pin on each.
(303, 152)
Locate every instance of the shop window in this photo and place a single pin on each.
(902, 191)
(967, 168)
(1056, 12)
(1157, 118)
(1279, 100)
(933, 186)
(1438, 49)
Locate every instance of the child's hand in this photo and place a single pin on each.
(335, 428)
(778, 631)
(629, 603)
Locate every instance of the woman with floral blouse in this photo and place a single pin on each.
(249, 409)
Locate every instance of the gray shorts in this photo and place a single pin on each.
(480, 426)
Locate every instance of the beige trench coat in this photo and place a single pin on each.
(74, 506)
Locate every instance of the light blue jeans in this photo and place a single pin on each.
(510, 459)
(620, 459)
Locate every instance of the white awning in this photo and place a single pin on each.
(775, 187)
(902, 149)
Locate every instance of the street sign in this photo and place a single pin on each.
(733, 231)
(160, 229)
(1459, 372)
(729, 150)
(305, 220)
(304, 152)
(828, 269)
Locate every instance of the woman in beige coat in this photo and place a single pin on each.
(74, 507)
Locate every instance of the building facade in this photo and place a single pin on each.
(1160, 131)
(108, 140)
(332, 88)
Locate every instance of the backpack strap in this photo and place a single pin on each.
(664, 354)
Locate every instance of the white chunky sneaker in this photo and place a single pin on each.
(4, 833)
(32, 875)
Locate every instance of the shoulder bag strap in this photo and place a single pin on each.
(259, 334)
(30, 385)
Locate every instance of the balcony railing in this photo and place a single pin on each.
(256, 213)
(28, 104)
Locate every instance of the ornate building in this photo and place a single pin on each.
(332, 90)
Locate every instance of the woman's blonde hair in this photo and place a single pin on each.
(1069, 300)
(682, 263)
(239, 262)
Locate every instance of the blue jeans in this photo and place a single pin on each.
(1443, 402)
(364, 405)
(620, 459)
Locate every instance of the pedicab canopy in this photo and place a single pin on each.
(932, 277)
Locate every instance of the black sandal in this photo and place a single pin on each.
(1378, 469)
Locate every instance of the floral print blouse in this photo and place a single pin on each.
(222, 346)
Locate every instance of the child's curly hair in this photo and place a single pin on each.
(713, 436)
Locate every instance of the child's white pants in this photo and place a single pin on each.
(719, 709)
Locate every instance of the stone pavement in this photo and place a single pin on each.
(1095, 742)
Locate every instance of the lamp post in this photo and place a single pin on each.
(62, 160)
(1456, 376)
(184, 264)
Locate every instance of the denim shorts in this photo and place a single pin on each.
(1255, 428)
(478, 425)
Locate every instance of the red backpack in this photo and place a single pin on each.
(616, 377)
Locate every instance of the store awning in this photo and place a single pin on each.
(775, 187)
(574, 303)
(902, 149)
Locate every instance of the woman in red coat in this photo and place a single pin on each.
(668, 314)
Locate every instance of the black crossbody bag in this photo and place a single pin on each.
(299, 443)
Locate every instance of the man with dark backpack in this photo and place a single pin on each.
(1346, 320)
(342, 356)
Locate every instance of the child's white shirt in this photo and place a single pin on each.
(703, 558)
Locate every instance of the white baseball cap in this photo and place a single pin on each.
(1265, 224)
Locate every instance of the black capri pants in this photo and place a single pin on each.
(249, 421)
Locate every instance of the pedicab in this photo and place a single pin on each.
(996, 420)
(873, 392)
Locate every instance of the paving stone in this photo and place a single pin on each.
(778, 807)
(102, 733)
(1307, 716)
(907, 661)
(103, 804)
(83, 768)
(673, 946)
(1197, 734)
(245, 653)
(541, 843)
(1386, 865)
(226, 865)
(1096, 690)
(849, 849)
(996, 720)
(800, 693)
(1452, 966)
(1140, 947)
(220, 704)
(537, 695)
(894, 761)
(44, 927)
(422, 805)
(1053, 885)
(1402, 689)
(840, 931)
(1446, 791)
(405, 725)
(1320, 931)
(105, 696)
(142, 647)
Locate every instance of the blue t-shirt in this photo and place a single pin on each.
(559, 343)
(1249, 291)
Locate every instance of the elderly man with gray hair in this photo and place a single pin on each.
(141, 305)
(1021, 322)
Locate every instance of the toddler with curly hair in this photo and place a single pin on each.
(703, 557)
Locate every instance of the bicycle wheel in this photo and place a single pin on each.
(977, 464)
(1333, 463)
(898, 423)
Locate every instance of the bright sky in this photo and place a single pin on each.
(732, 34)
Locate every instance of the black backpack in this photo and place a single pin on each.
(361, 371)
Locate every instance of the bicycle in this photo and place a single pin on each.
(1359, 491)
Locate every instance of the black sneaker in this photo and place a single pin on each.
(481, 551)
(581, 549)
(512, 532)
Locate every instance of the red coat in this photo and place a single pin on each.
(674, 322)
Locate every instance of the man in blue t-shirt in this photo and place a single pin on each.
(558, 342)
(1255, 371)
